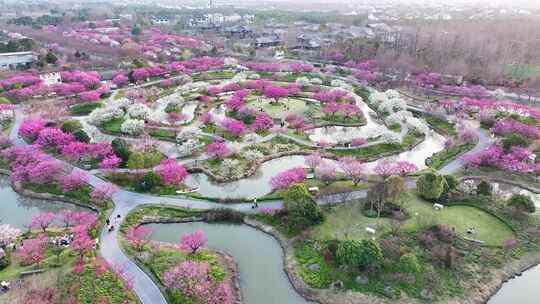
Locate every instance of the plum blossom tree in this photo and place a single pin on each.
(103, 192)
(42, 220)
(171, 172)
(120, 80)
(138, 236)
(8, 235)
(191, 279)
(31, 127)
(276, 93)
(82, 243)
(263, 121)
(32, 251)
(75, 180)
(191, 242)
(404, 168)
(326, 172)
(287, 178)
(353, 169)
(384, 168)
(313, 160)
(235, 127)
(44, 172)
(218, 150)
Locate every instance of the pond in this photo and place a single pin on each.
(17, 210)
(258, 255)
(522, 290)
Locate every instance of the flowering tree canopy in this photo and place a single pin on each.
(287, 178)
(191, 242)
(171, 172)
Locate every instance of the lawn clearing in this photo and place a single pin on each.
(278, 110)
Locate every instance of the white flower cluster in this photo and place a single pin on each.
(377, 97)
(391, 94)
(132, 127)
(398, 117)
(5, 116)
(186, 133)
(102, 115)
(392, 105)
(316, 81)
(230, 62)
(302, 82)
(238, 78)
(122, 103)
(341, 84)
(254, 76)
(252, 155)
(417, 124)
(188, 146)
(195, 87)
(230, 167)
(390, 137)
(138, 111)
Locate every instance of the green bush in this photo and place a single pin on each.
(136, 160)
(451, 181)
(84, 108)
(302, 209)
(121, 149)
(514, 140)
(149, 182)
(5, 261)
(484, 188)
(70, 126)
(522, 203)
(81, 136)
(431, 185)
(409, 263)
(363, 254)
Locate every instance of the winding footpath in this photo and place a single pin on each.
(126, 201)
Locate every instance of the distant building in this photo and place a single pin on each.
(309, 42)
(241, 32)
(268, 41)
(16, 60)
(160, 21)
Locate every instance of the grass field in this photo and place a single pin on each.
(347, 221)
(279, 110)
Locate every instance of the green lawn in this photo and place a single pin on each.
(347, 221)
(279, 110)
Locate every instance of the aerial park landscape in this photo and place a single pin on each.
(222, 179)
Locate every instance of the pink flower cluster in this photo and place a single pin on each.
(346, 109)
(171, 172)
(234, 127)
(507, 126)
(218, 150)
(264, 67)
(335, 95)
(194, 282)
(386, 168)
(30, 164)
(518, 160)
(299, 67)
(287, 178)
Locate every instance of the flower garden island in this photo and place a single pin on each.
(369, 195)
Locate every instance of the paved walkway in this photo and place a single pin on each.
(126, 201)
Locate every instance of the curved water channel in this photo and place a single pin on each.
(258, 185)
(258, 255)
(17, 210)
